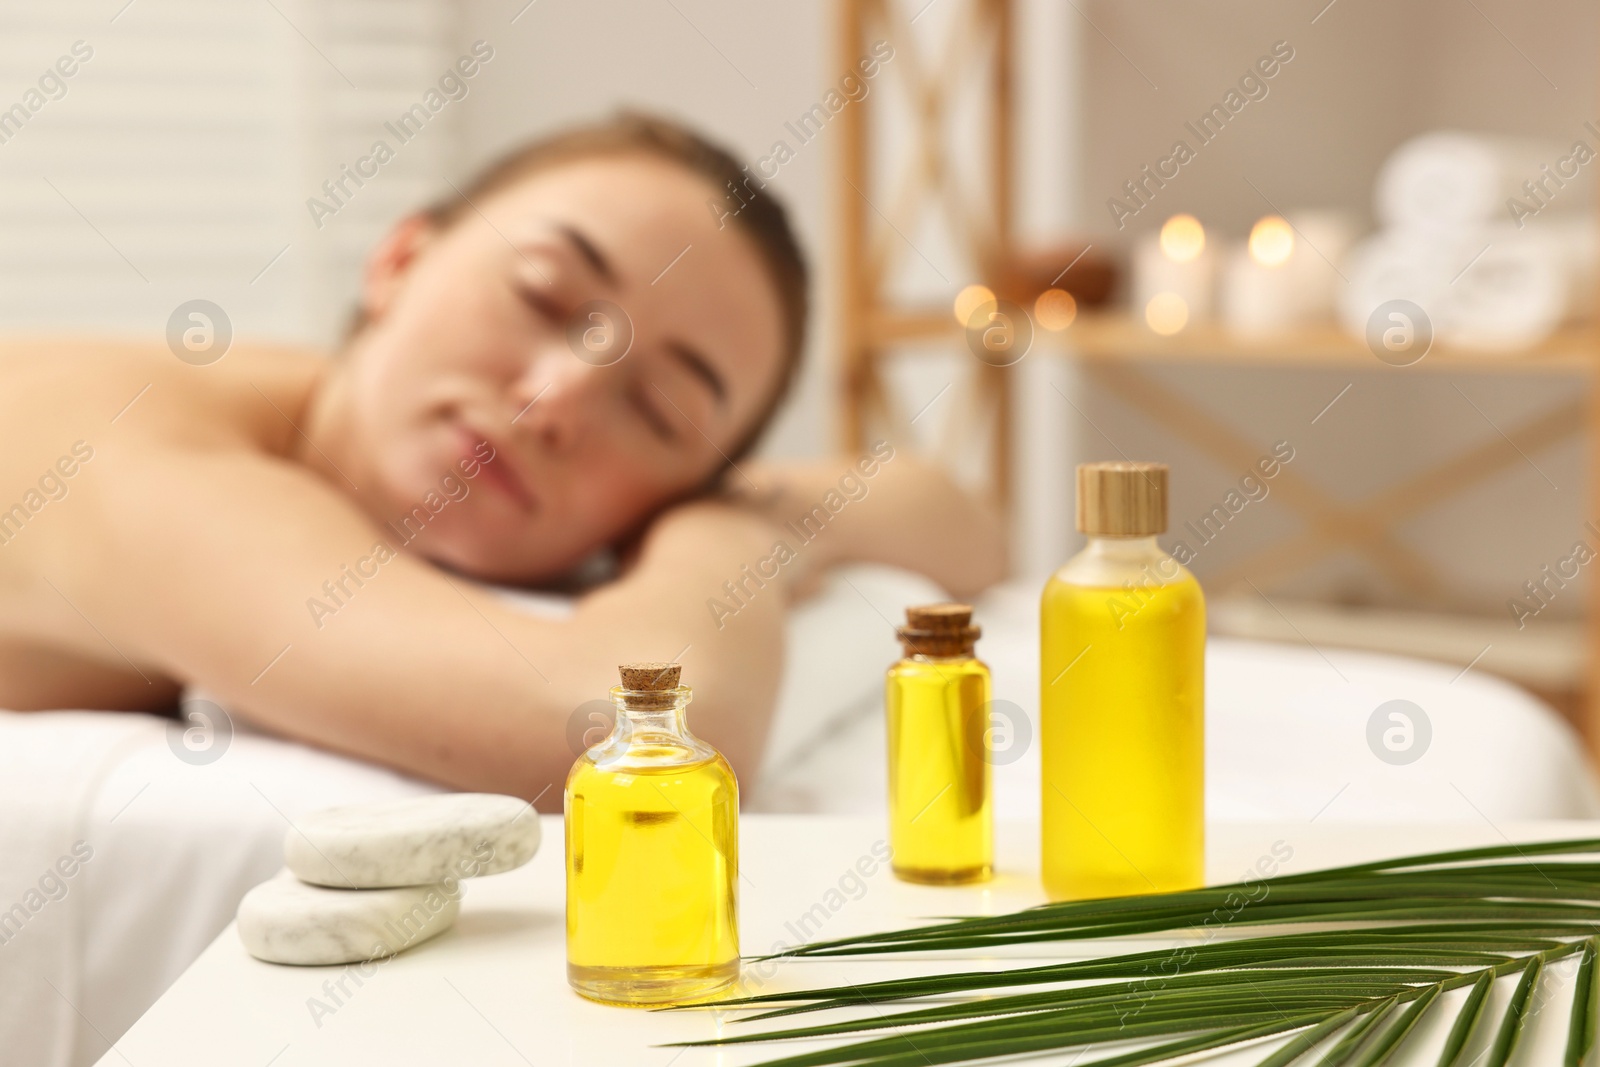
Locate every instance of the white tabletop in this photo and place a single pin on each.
(493, 990)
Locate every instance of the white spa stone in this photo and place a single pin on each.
(415, 841)
(286, 921)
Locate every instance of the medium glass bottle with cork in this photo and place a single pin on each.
(941, 820)
(652, 842)
(1122, 693)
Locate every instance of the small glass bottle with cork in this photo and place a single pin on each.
(941, 819)
(652, 848)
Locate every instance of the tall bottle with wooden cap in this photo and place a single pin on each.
(1122, 690)
(941, 821)
(652, 821)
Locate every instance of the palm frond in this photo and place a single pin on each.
(1382, 943)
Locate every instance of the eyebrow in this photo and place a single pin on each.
(589, 252)
(701, 368)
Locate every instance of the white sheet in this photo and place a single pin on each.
(1286, 737)
(176, 845)
(50, 772)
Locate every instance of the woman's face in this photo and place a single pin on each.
(499, 410)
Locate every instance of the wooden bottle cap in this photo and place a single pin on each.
(939, 630)
(1120, 499)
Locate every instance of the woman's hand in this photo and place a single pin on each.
(784, 496)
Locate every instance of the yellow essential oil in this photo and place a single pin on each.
(1122, 680)
(652, 835)
(941, 820)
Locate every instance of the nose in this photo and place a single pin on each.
(560, 399)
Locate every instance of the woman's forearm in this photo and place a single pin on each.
(888, 507)
(519, 734)
(415, 668)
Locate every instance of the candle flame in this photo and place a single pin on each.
(1182, 238)
(1271, 241)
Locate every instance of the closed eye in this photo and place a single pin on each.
(653, 416)
(542, 304)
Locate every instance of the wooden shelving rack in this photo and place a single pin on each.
(877, 203)
(1114, 349)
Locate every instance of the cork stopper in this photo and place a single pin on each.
(1122, 499)
(651, 684)
(939, 630)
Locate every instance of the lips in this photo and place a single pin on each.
(499, 472)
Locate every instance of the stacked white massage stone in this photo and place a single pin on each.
(369, 881)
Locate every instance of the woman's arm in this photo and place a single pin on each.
(239, 579)
(886, 506)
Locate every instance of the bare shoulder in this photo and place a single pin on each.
(100, 437)
(86, 387)
(115, 452)
(123, 426)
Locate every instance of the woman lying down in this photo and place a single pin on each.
(302, 537)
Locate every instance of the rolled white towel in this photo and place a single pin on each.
(1523, 286)
(1486, 287)
(1401, 264)
(1513, 296)
(1445, 179)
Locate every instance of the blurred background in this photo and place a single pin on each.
(1436, 482)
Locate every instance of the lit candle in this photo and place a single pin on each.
(1260, 292)
(1176, 267)
(1324, 239)
(1284, 275)
(1256, 298)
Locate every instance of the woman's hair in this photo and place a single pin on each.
(761, 217)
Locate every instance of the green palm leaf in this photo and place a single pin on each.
(1461, 1031)
(1347, 1045)
(1511, 1023)
(1377, 946)
(1309, 1039)
(1391, 1038)
(1580, 1026)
